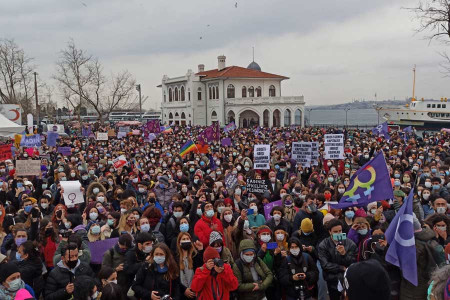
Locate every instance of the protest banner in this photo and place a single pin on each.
(72, 192)
(51, 138)
(124, 129)
(66, 151)
(28, 167)
(281, 146)
(301, 152)
(268, 208)
(5, 152)
(119, 161)
(136, 132)
(314, 153)
(121, 134)
(111, 133)
(258, 186)
(261, 157)
(102, 136)
(334, 146)
(98, 249)
(31, 140)
(231, 181)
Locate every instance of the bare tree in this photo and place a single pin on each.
(81, 81)
(16, 76)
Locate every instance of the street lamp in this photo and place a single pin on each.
(346, 111)
(36, 98)
(138, 88)
(309, 115)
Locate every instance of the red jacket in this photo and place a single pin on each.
(204, 284)
(205, 226)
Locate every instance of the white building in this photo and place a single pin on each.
(247, 96)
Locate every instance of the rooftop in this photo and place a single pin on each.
(237, 72)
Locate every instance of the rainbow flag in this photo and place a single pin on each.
(188, 147)
(166, 129)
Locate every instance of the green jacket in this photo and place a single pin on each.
(245, 278)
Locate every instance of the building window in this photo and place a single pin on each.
(189, 96)
(272, 91)
(230, 91)
(428, 105)
(214, 93)
(177, 115)
(164, 96)
(182, 93)
(433, 106)
(217, 92)
(210, 93)
(244, 92)
(287, 117)
(170, 95)
(199, 94)
(438, 106)
(176, 94)
(251, 92)
(258, 91)
(170, 116)
(298, 117)
(444, 105)
(214, 115)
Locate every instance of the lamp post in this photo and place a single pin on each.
(346, 119)
(309, 115)
(138, 88)
(36, 98)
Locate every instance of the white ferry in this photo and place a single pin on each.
(418, 113)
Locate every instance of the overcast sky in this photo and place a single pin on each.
(333, 51)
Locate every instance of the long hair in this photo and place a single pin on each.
(83, 287)
(191, 252)
(58, 207)
(112, 291)
(173, 271)
(42, 238)
(123, 222)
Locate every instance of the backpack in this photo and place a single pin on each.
(158, 235)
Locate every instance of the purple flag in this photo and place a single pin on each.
(210, 134)
(230, 127)
(370, 183)
(153, 126)
(402, 245)
(86, 131)
(66, 151)
(226, 142)
(382, 129)
(99, 248)
(257, 131)
(51, 138)
(408, 129)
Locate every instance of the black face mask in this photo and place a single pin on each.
(151, 200)
(186, 245)
(72, 264)
(59, 213)
(48, 231)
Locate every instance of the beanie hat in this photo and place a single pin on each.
(363, 280)
(279, 227)
(7, 270)
(328, 217)
(214, 237)
(307, 225)
(264, 229)
(23, 294)
(210, 253)
(399, 193)
(360, 213)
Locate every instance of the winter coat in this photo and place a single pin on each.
(203, 228)
(205, 284)
(256, 220)
(317, 220)
(308, 240)
(333, 263)
(164, 196)
(283, 222)
(113, 258)
(245, 278)
(134, 259)
(425, 265)
(148, 279)
(60, 276)
(298, 264)
(31, 273)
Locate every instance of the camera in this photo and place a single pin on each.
(65, 233)
(218, 262)
(166, 297)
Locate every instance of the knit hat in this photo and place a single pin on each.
(307, 225)
(279, 227)
(328, 217)
(164, 179)
(210, 253)
(360, 213)
(363, 280)
(399, 193)
(7, 270)
(264, 229)
(23, 294)
(33, 200)
(214, 237)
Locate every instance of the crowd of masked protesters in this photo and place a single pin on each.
(187, 227)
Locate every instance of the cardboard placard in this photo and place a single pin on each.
(261, 157)
(334, 146)
(258, 186)
(102, 136)
(28, 167)
(5, 152)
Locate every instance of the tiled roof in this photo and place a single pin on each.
(237, 72)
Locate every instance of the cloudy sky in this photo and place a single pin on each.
(333, 51)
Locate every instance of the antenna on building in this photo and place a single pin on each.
(253, 53)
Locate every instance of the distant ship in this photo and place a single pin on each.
(425, 114)
(430, 114)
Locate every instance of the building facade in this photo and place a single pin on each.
(247, 96)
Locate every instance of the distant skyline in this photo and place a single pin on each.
(333, 51)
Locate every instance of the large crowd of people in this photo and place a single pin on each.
(181, 228)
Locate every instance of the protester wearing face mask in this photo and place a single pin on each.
(171, 224)
(135, 257)
(107, 275)
(216, 241)
(309, 210)
(164, 191)
(274, 186)
(85, 288)
(30, 265)
(11, 282)
(440, 225)
(298, 273)
(253, 276)
(95, 233)
(359, 234)
(288, 204)
(438, 189)
(307, 238)
(256, 219)
(228, 223)
(264, 236)
(59, 283)
(277, 214)
(207, 223)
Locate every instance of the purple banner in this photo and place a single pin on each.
(268, 208)
(226, 142)
(99, 248)
(66, 151)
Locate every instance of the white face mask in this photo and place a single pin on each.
(280, 236)
(265, 238)
(248, 258)
(228, 218)
(441, 210)
(277, 217)
(255, 209)
(295, 252)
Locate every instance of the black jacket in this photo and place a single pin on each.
(134, 259)
(298, 264)
(148, 279)
(55, 288)
(31, 273)
(333, 263)
(283, 222)
(308, 240)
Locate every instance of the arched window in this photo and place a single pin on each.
(176, 94)
(199, 94)
(183, 116)
(214, 92)
(287, 117)
(170, 95)
(164, 96)
(177, 115)
(230, 91)
(213, 115)
(258, 91)
(182, 94)
(272, 91)
(251, 92)
(217, 92)
(210, 93)
(244, 92)
(170, 116)
(298, 117)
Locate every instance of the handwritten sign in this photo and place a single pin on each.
(258, 186)
(72, 192)
(334, 146)
(261, 157)
(121, 134)
(102, 136)
(302, 153)
(28, 167)
(51, 138)
(314, 153)
(5, 152)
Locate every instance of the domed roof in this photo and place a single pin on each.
(254, 66)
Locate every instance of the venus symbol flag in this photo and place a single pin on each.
(370, 183)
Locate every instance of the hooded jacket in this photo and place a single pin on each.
(245, 278)
(203, 228)
(205, 281)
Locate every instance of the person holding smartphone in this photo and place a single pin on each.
(298, 273)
